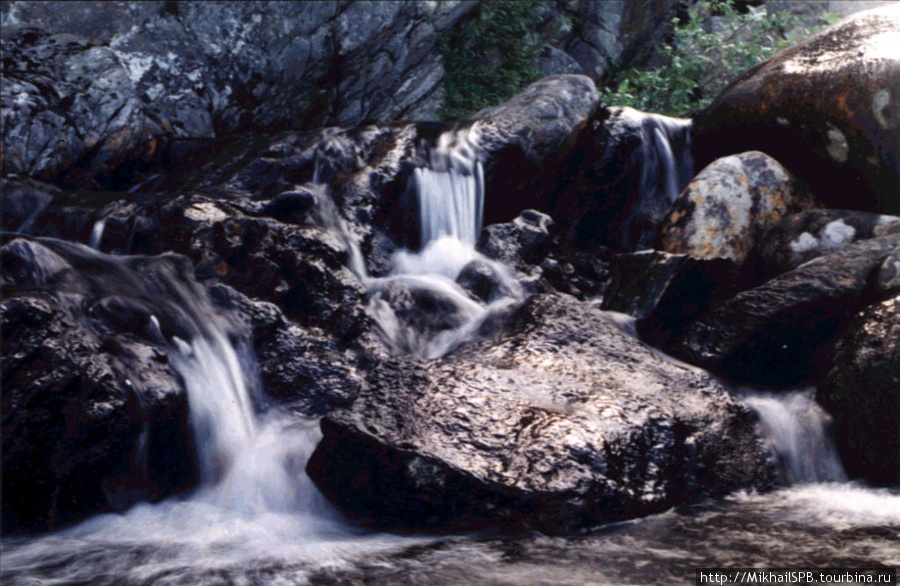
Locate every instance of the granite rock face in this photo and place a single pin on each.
(862, 392)
(827, 109)
(725, 208)
(561, 422)
(112, 81)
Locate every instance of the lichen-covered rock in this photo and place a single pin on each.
(801, 237)
(828, 109)
(862, 393)
(771, 334)
(622, 175)
(562, 422)
(523, 141)
(727, 205)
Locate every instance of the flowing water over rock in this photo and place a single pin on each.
(421, 307)
(256, 518)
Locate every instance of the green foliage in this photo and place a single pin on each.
(492, 57)
(699, 63)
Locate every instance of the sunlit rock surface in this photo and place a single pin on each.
(563, 421)
(727, 205)
(828, 109)
(862, 392)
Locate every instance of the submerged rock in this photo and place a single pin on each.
(727, 205)
(562, 422)
(827, 109)
(625, 170)
(862, 392)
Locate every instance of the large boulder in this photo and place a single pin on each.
(625, 170)
(562, 422)
(523, 141)
(827, 109)
(862, 393)
(727, 206)
(774, 334)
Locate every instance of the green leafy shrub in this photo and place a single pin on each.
(491, 57)
(699, 63)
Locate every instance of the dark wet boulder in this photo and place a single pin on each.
(624, 171)
(523, 141)
(801, 237)
(562, 422)
(94, 414)
(775, 333)
(862, 393)
(726, 207)
(827, 109)
(518, 243)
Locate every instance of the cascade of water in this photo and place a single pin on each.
(796, 431)
(97, 234)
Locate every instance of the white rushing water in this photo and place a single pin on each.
(796, 430)
(449, 194)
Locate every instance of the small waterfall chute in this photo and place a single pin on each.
(796, 430)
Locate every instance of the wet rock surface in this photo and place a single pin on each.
(771, 334)
(561, 422)
(621, 179)
(825, 108)
(94, 415)
(801, 237)
(862, 392)
(725, 208)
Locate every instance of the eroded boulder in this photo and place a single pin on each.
(562, 422)
(828, 109)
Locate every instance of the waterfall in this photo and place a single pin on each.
(97, 234)
(420, 306)
(795, 429)
(450, 189)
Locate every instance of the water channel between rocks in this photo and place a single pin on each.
(258, 519)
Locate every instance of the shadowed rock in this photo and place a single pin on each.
(801, 237)
(625, 170)
(771, 334)
(862, 392)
